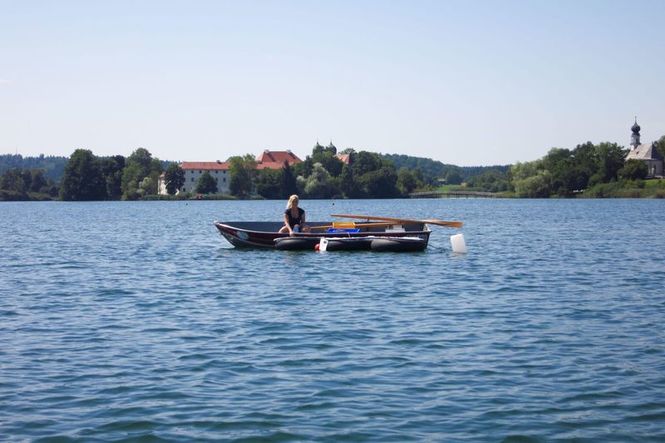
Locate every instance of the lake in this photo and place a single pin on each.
(137, 321)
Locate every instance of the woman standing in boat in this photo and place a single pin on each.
(294, 217)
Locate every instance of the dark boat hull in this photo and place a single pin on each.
(264, 234)
(296, 243)
(405, 244)
(349, 244)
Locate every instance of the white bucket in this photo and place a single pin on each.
(457, 241)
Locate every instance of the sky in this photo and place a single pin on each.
(468, 83)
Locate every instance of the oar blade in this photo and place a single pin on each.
(449, 224)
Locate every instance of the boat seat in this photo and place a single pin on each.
(343, 227)
(343, 224)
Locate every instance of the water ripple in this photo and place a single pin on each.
(153, 329)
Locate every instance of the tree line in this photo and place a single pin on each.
(88, 177)
(52, 166)
(27, 184)
(589, 169)
(433, 171)
(321, 175)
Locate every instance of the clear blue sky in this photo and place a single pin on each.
(468, 83)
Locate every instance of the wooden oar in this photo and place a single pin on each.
(450, 224)
(356, 225)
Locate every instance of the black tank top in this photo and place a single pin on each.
(294, 220)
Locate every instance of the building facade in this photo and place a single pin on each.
(645, 152)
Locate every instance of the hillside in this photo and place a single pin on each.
(53, 166)
(433, 170)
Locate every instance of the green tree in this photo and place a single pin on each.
(146, 186)
(584, 160)
(83, 179)
(140, 165)
(380, 183)
(155, 171)
(634, 170)
(660, 146)
(131, 177)
(320, 184)
(143, 159)
(53, 190)
(304, 168)
(535, 186)
(38, 182)
(27, 179)
(288, 183)
(348, 184)
(522, 170)
(611, 158)
(112, 169)
(454, 177)
(492, 180)
(561, 164)
(407, 181)
(12, 180)
(174, 177)
(53, 167)
(206, 184)
(364, 162)
(268, 183)
(327, 157)
(531, 179)
(242, 172)
(317, 149)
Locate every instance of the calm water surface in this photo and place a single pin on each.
(138, 322)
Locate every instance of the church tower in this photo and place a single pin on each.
(635, 138)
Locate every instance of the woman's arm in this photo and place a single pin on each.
(286, 223)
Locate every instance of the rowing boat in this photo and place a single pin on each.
(253, 234)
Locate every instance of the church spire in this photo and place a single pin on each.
(635, 137)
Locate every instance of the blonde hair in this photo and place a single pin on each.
(293, 200)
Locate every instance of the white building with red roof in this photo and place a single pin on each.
(194, 170)
(275, 159)
(220, 170)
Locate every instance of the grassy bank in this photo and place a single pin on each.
(627, 189)
(653, 188)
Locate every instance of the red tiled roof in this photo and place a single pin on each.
(208, 166)
(280, 157)
(344, 158)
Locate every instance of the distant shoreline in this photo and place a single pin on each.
(627, 194)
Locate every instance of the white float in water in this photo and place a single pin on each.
(323, 244)
(457, 241)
